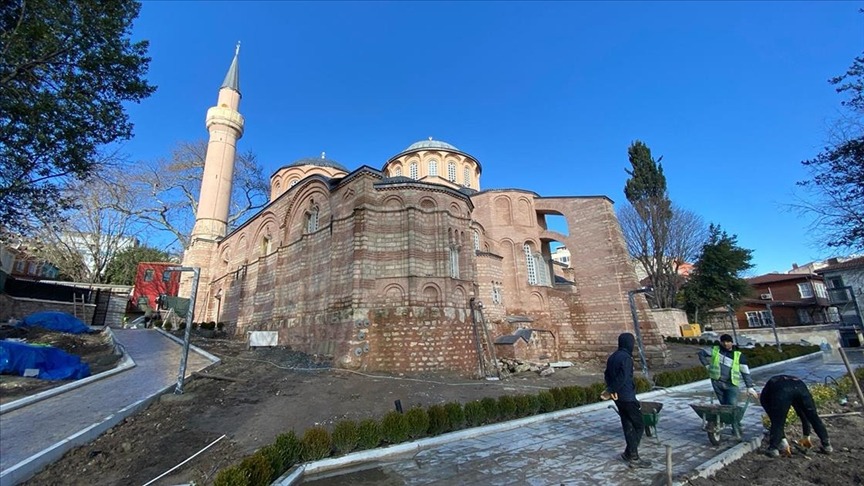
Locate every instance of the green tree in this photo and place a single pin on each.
(652, 222)
(716, 278)
(121, 270)
(66, 68)
(836, 183)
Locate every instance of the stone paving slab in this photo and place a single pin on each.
(580, 447)
(50, 423)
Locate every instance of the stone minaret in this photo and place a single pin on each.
(225, 125)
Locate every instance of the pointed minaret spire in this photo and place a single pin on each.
(232, 79)
(225, 124)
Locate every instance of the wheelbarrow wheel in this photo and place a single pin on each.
(650, 431)
(714, 435)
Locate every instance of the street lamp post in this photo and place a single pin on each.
(181, 374)
(632, 300)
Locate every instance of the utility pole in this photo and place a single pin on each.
(632, 300)
(184, 356)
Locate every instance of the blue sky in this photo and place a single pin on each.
(547, 96)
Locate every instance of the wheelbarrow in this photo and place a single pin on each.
(650, 416)
(716, 417)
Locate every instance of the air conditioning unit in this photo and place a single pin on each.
(766, 297)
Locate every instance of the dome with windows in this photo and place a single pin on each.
(430, 144)
(318, 162)
(436, 162)
(289, 175)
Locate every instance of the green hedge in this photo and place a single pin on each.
(272, 461)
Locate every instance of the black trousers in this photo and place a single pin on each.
(631, 422)
(782, 392)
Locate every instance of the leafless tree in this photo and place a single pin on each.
(85, 239)
(166, 191)
(684, 236)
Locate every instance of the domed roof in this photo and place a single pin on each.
(317, 161)
(431, 144)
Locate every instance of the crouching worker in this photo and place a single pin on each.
(726, 368)
(782, 392)
(621, 388)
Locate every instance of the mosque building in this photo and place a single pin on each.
(410, 267)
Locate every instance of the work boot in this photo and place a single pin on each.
(635, 461)
(826, 449)
(772, 452)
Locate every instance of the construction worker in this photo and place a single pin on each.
(780, 393)
(726, 368)
(621, 387)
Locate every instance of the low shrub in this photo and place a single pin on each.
(546, 401)
(474, 413)
(418, 422)
(258, 470)
(316, 444)
(455, 415)
(232, 476)
(167, 326)
(490, 409)
(345, 436)
(438, 423)
(289, 447)
(593, 391)
(506, 407)
(642, 384)
(368, 434)
(394, 427)
(560, 398)
(526, 405)
(275, 459)
(575, 396)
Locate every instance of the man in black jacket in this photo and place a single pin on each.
(785, 391)
(621, 388)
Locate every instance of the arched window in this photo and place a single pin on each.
(266, 245)
(312, 220)
(433, 168)
(398, 172)
(454, 262)
(414, 172)
(476, 240)
(466, 177)
(496, 293)
(531, 264)
(451, 171)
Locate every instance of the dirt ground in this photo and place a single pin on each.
(272, 390)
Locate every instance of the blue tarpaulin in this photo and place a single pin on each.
(52, 363)
(56, 321)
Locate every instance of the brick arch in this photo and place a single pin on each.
(456, 209)
(391, 169)
(537, 300)
(525, 212)
(267, 225)
(431, 293)
(459, 295)
(393, 294)
(295, 217)
(503, 209)
(428, 204)
(393, 202)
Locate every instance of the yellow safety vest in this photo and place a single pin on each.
(714, 367)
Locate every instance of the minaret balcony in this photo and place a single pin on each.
(222, 115)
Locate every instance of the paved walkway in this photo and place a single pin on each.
(48, 428)
(580, 447)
